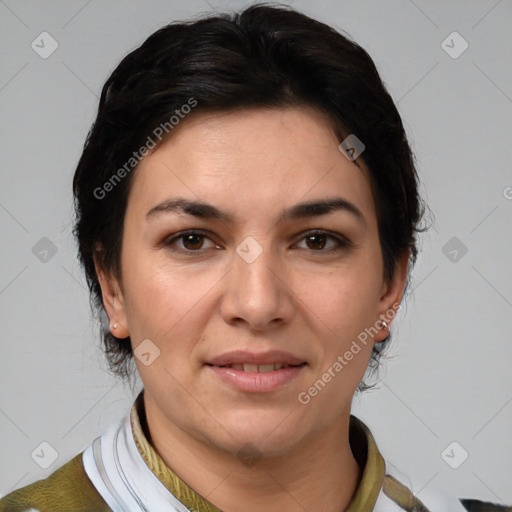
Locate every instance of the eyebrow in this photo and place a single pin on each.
(308, 209)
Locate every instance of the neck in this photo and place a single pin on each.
(320, 474)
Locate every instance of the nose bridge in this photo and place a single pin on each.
(254, 268)
(256, 292)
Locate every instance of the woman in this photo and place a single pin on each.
(247, 211)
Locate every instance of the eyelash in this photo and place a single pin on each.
(341, 242)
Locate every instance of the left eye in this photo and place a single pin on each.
(317, 241)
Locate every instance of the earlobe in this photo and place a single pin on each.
(384, 327)
(113, 301)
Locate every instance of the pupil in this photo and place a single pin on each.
(194, 240)
(317, 244)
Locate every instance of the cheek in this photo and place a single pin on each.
(341, 313)
(166, 305)
(345, 300)
(159, 306)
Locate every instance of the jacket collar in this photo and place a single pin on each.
(361, 441)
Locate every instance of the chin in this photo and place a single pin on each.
(271, 433)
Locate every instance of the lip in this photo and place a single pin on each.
(243, 356)
(255, 382)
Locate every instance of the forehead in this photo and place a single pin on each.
(251, 158)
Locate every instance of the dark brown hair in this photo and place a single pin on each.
(264, 56)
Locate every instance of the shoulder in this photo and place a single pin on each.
(68, 488)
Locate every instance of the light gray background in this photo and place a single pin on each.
(450, 379)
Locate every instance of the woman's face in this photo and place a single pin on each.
(263, 279)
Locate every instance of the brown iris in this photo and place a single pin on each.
(317, 240)
(193, 241)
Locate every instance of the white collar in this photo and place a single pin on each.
(117, 470)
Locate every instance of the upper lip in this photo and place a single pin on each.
(245, 357)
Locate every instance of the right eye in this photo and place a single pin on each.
(191, 241)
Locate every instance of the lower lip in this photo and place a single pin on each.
(255, 382)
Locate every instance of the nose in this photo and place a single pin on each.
(257, 293)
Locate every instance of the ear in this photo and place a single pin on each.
(113, 301)
(391, 297)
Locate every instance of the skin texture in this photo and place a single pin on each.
(297, 296)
